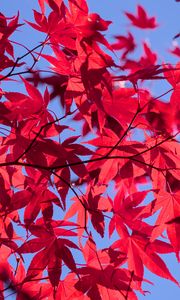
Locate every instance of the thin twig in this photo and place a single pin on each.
(10, 73)
(129, 286)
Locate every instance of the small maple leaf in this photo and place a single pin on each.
(142, 20)
(175, 50)
(125, 43)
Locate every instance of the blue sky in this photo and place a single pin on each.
(167, 12)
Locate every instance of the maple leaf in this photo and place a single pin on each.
(142, 20)
(125, 43)
(150, 57)
(175, 51)
(141, 252)
(7, 28)
(125, 211)
(87, 25)
(104, 281)
(21, 106)
(50, 255)
(169, 206)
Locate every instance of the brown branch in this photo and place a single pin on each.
(10, 73)
(131, 157)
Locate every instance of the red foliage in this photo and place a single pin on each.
(72, 180)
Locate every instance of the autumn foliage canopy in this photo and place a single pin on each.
(89, 157)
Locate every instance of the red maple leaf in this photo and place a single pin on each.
(125, 43)
(142, 20)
